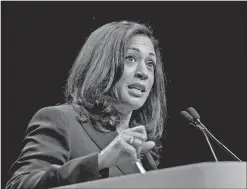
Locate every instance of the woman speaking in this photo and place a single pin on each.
(112, 121)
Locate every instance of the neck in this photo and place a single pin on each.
(124, 122)
(125, 116)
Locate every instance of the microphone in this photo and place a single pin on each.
(193, 112)
(194, 119)
(186, 115)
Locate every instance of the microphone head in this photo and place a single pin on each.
(186, 115)
(193, 112)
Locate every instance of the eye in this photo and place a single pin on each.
(151, 64)
(130, 58)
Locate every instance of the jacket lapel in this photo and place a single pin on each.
(103, 139)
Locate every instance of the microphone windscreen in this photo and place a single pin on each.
(193, 112)
(186, 115)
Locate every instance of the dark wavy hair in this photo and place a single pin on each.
(96, 70)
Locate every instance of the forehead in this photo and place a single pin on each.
(141, 41)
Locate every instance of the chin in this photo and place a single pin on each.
(135, 105)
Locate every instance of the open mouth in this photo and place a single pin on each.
(137, 89)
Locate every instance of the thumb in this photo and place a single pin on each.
(147, 146)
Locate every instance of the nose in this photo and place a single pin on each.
(141, 71)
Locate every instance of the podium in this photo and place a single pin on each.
(198, 175)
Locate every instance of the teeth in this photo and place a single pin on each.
(137, 91)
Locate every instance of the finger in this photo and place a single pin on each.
(137, 135)
(147, 146)
(135, 142)
(138, 152)
(140, 129)
(130, 150)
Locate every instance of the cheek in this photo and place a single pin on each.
(151, 82)
(118, 89)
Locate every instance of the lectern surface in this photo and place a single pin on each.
(199, 175)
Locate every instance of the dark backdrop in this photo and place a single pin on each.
(203, 46)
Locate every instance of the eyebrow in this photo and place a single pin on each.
(133, 48)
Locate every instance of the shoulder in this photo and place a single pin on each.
(60, 113)
(59, 118)
(54, 111)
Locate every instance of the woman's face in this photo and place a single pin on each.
(137, 80)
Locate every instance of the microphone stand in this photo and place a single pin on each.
(199, 127)
(211, 148)
(197, 123)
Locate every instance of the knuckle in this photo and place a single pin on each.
(139, 142)
(145, 137)
(142, 127)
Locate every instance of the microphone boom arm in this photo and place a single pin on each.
(194, 123)
(202, 127)
(211, 148)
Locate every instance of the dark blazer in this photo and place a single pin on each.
(59, 149)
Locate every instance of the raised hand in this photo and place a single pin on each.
(125, 147)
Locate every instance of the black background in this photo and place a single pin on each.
(204, 54)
